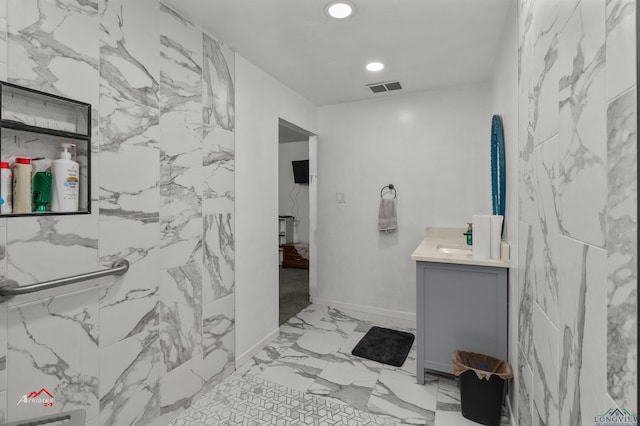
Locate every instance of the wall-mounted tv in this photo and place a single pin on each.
(300, 171)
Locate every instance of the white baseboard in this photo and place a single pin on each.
(364, 308)
(247, 355)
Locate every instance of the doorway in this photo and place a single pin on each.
(296, 172)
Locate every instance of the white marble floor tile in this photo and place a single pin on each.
(308, 317)
(455, 418)
(367, 320)
(354, 362)
(379, 406)
(253, 401)
(271, 352)
(289, 376)
(452, 418)
(290, 330)
(344, 384)
(351, 342)
(312, 355)
(348, 320)
(294, 369)
(400, 396)
(409, 366)
(448, 395)
(320, 344)
(329, 324)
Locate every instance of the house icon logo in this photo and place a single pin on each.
(42, 396)
(621, 417)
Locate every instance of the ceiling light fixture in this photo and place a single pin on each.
(375, 66)
(339, 9)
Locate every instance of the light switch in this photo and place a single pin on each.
(341, 197)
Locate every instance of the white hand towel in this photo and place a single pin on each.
(496, 236)
(481, 248)
(387, 220)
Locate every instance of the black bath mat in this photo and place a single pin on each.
(385, 345)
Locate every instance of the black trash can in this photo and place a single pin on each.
(483, 385)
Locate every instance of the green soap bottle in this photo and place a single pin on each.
(469, 234)
(41, 191)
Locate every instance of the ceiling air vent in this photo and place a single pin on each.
(387, 86)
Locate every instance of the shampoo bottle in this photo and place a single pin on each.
(22, 185)
(65, 182)
(6, 188)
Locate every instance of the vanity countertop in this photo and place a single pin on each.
(448, 245)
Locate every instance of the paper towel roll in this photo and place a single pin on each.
(496, 236)
(481, 248)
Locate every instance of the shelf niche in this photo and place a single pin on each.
(33, 124)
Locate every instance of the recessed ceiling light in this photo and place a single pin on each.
(375, 66)
(339, 9)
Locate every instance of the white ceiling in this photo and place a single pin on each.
(424, 44)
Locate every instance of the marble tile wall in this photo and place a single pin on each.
(577, 282)
(197, 320)
(134, 349)
(53, 344)
(622, 250)
(181, 314)
(3, 237)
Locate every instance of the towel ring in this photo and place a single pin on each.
(391, 188)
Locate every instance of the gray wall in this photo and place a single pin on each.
(434, 147)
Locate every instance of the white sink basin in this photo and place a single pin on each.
(451, 249)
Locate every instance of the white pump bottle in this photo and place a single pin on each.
(66, 181)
